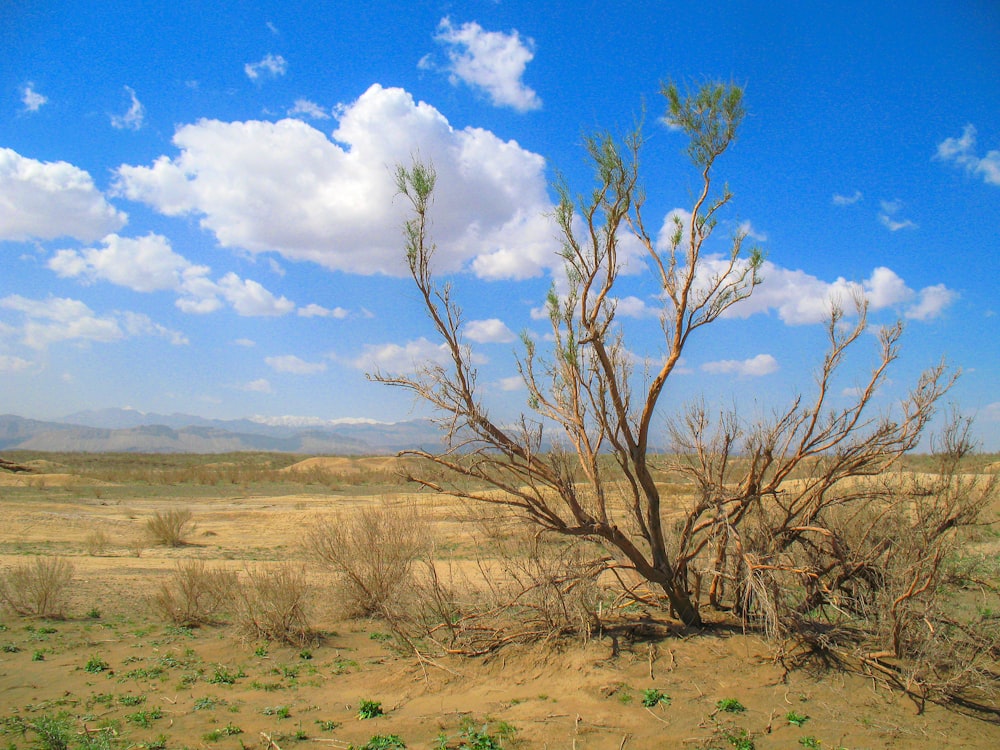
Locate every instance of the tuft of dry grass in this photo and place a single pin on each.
(96, 543)
(194, 594)
(170, 528)
(272, 605)
(38, 588)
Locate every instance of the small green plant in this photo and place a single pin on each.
(95, 665)
(10, 648)
(305, 654)
(260, 651)
(739, 738)
(380, 637)
(160, 743)
(38, 656)
(208, 702)
(54, 732)
(282, 712)
(230, 730)
(327, 726)
(796, 719)
(384, 742)
(810, 742)
(144, 718)
(131, 700)
(369, 709)
(651, 697)
(223, 676)
(730, 706)
(94, 613)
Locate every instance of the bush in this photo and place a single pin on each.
(170, 528)
(194, 594)
(37, 588)
(96, 543)
(372, 550)
(272, 605)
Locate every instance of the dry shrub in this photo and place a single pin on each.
(37, 588)
(532, 588)
(170, 528)
(272, 604)
(96, 543)
(194, 594)
(372, 550)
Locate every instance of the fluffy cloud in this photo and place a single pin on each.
(491, 61)
(285, 187)
(294, 365)
(270, 66)
(31, 99)
(394, 358)
(306, 108)
(799, 298)
(962, 151)
(148, 264)
(491, 331)
(57, 319)
(762, 364)
(134, 115)
(318, 311)
(45, 200)
(10, 365)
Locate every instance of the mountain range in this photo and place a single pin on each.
(132, 431)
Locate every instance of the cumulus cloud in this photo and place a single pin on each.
(294, 365)
(962, 151)
(513, 383)
(847, 200)
(31, 99)
(285, 187)
(57, 319)
(396, 358)
(149, 264)
(491, 331)
(799, 298)
(490, 61)
(45, 200)
(762, 364)
(134, 115)
(271, 66)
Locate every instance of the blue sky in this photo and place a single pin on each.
(197, 210)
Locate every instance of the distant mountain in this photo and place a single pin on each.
(130, 431)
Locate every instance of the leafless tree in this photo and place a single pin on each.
(765, 529)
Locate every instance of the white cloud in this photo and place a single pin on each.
(134, 115)
(513, 383)
(31, 99)
(799, 298)
(847, 200)
(251, 299)
(762, 364)
(394, 358)
(58, 319)
(270, 66)
(309, 109)
(887, 216)
(261, 385)
(294, 365)
(143, 264)
(489, 60)
(285, 187)
(148, 264)
(962, 151)
(45, 200)
(748, 231)
(491, 331)
(318, 311)
(245, 342)
(11, 365)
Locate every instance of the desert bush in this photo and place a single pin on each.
(37, 588)
(372, 550)
(272, 604)
(170, 528)
(96, 543)
(194, 594)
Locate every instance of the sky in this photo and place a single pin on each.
(198, 209)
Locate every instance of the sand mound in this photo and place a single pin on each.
(341, 466)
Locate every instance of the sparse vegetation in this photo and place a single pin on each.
(368, 709)
(170, 528)
(273, 605)
(37, 588)
(194, 594)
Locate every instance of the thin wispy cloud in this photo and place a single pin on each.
(847, 200)
(31, 99)
(762, 364)
(133, 117)
(890, 218)
(306, 108)
(490, 61)
(962, 152)
(271, 66)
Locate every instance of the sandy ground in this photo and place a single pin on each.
(572, 695)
